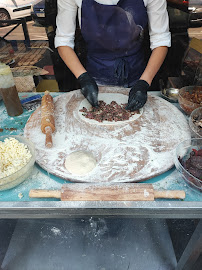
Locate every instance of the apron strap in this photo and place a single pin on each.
(121, 71)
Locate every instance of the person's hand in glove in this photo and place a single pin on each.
(89, 88)
(137, 95)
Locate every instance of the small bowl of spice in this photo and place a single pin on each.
(195, 123)
(190, 98)
(188, 161)
(17, 158)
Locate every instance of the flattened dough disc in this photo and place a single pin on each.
(108, 98)
(80, 162)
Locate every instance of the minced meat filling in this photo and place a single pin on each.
(108, 112)
(195, 96)
(194, 165)
(197, 121)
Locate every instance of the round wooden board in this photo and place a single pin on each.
(128, 152)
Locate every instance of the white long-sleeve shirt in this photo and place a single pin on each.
(158, 21)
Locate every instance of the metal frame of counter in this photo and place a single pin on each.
(159, 209)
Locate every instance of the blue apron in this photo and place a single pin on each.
(113, 38)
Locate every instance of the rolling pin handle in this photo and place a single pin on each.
(49, 142)
(169, 194)
(43, 193)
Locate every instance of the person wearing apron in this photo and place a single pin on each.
(113, 32)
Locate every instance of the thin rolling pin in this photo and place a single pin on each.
(169, 194)
(122, 192)
(47, 118)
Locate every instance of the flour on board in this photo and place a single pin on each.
(129, 152)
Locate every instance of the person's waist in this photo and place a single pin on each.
(112, 56)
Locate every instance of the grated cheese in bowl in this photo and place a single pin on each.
(17, 157)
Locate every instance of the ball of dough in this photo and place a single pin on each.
(80, 163)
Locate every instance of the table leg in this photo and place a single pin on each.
(26, 34)
(192, 250)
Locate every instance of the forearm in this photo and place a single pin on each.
(71, 60)
(155, 61)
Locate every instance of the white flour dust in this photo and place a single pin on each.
(146, 193)
(125, 153)
(55, 231)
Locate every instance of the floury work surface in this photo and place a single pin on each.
(90, 243)
(132, 151)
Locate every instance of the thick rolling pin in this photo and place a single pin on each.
(47, 118)
(107, 192)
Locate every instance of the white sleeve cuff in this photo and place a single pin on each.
(158, 40)
(63, 41)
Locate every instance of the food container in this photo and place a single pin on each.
(9, 92)
(19, 176)
(190, 98)
(170, 94)
(195, 123)
(182, 154)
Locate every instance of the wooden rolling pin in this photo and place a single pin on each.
(107, 192)
(47, 118)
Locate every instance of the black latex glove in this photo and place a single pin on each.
(137, 95)
(89, 88)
